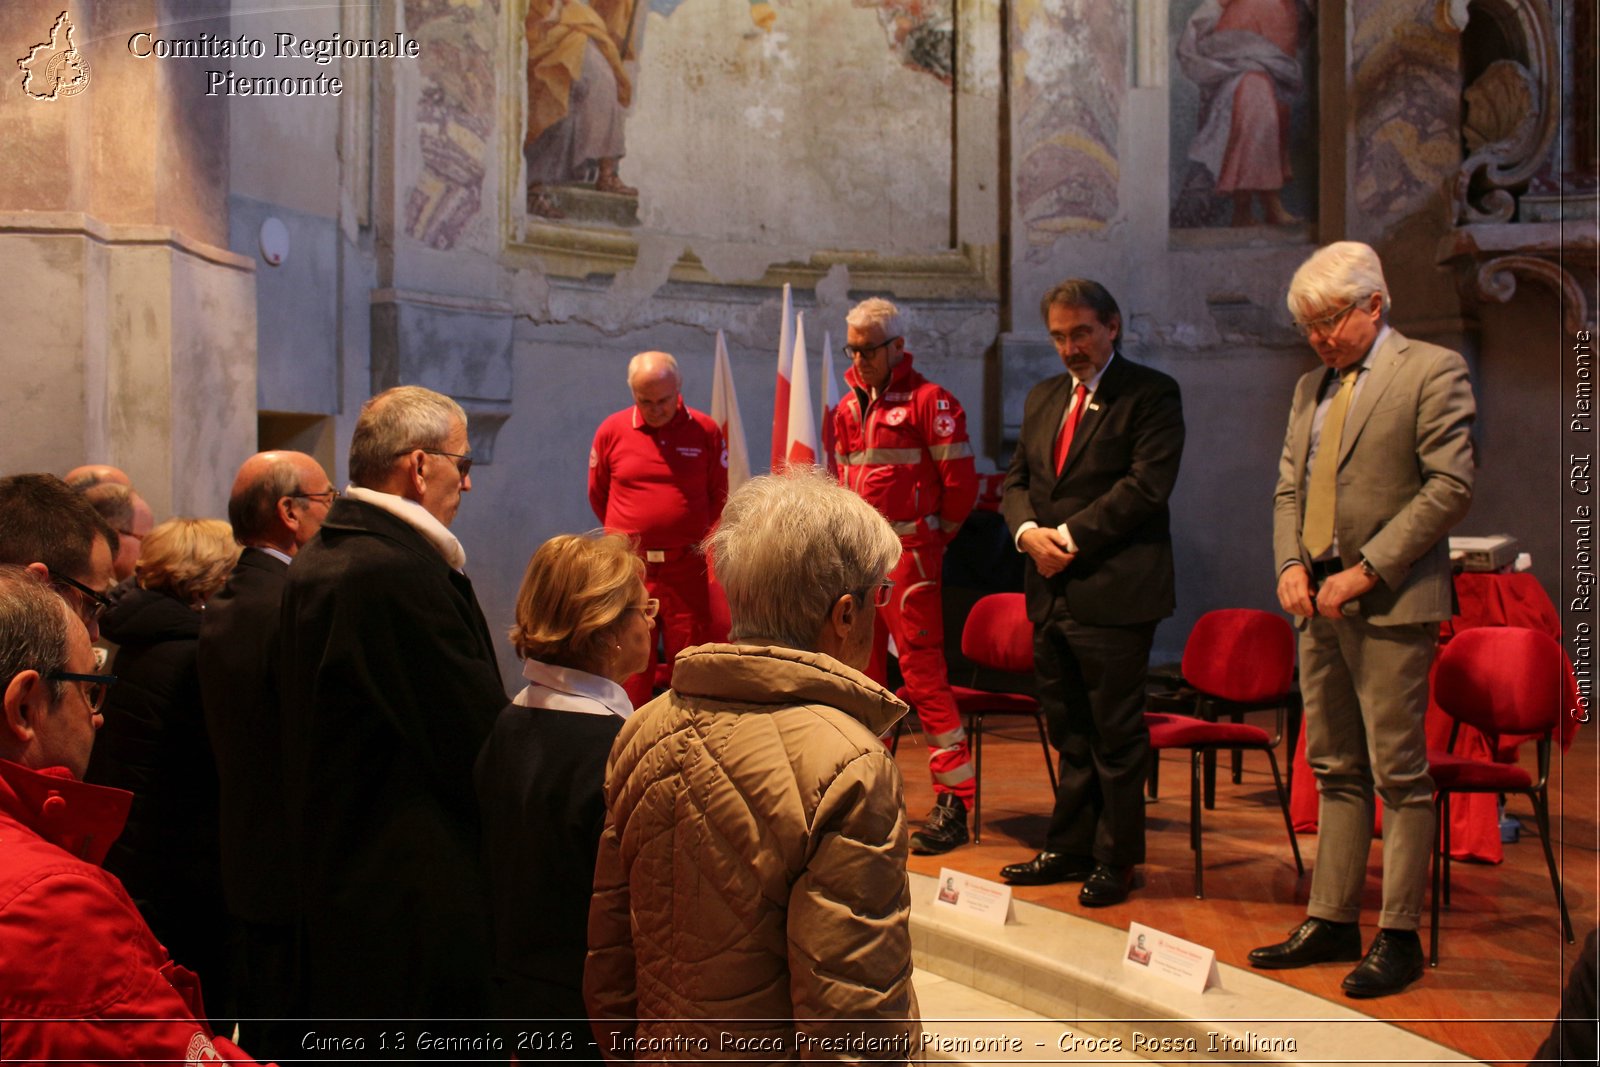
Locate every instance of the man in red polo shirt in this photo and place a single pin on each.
(658, 472)
(901, 443)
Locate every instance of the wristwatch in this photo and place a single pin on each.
(1368, 569)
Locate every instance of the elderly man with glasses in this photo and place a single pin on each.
(53, 531)
(278, 502)
(389, 687)
(901, 445)
(1377, 466)
(84, 981)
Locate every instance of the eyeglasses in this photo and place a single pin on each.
(1327, 324)
(94, 686)
(880, 595)
(463, 462)
(325, 498)
(649, 608)
(91, 605)
(864, 351)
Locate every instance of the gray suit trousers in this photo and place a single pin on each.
(1366, 694)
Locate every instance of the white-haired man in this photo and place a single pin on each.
(389, 688)
(658, 472)
(901, 444)
(750, 890)
(82, 978)
(278, 502)
(1377, 466)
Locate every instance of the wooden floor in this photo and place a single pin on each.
(1502, 958)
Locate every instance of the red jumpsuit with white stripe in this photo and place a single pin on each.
(665, 487)
(906, 453)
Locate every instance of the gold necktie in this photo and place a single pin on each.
(1318, 532)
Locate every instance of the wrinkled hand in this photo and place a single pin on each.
(1294, 591)
(1341, 588)
(763, 16)
(1048, 550)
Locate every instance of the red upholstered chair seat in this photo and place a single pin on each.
(1461, 774)
(1183, 731)
(982, 700)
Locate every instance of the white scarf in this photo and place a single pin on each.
(438, 535)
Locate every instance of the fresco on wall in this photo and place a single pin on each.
(1243, 113)
(1069, 78)
(823, 123)
(455, 116)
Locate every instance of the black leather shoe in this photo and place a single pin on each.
(1314, 941)
(1048, 868)
(1107, 885)
(1393, 962)
(944, 829)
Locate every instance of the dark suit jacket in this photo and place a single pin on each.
(238, 687)
(1112, 494)
(389, 687)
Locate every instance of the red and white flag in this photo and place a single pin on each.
(780, 398)
(801, 449)
(725, 413)
(830, 401)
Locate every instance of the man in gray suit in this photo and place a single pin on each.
(1377, 467)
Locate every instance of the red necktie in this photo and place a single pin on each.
(1069, 425)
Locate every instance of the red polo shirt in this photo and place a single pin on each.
(664, 486)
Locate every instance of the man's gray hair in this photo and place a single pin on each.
(789, 546)
(637, 364)
(397, 421)
(876, 311)
(1335, 276)
(33, 627)
(253, 510)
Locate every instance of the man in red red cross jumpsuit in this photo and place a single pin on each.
(658, 472)
(901, 444)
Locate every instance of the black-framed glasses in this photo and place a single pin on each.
(325, 498)
(93, 686)
(91, 605)
(649, 609)
(1327, 323)
(863, 351)
(463, 462)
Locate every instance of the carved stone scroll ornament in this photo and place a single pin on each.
(1507, 149)
(1497, 280)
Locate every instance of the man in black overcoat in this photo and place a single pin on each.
(389, 687)
(1086, 499)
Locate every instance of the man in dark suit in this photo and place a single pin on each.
(390, 687)
(1362, 554)
(278, 503)
(1086, 499)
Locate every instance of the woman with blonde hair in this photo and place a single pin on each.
(583, 625)
(154, 744)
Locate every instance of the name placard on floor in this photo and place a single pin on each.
(1172, 959)
(970, 895)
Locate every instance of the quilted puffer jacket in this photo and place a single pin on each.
(750, 893)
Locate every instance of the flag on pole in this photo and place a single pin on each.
(801, 449)
(830, 401)
(780, 398)
(725, 413)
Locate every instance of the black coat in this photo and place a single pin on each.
(389, 688)
(238, 640)
(1112, 494)
(153, 743)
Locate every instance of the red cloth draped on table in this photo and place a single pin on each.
(1485, 600)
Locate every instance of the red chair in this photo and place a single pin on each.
(1235, 660)
(997, 637)
(1503, 680)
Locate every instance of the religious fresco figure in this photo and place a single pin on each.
(1244, 56)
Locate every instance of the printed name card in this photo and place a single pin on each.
(1184, 963)
(978, 897)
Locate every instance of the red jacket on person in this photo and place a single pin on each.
(82, 978)
(909, 456)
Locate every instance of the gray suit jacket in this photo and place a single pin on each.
(1404, 479)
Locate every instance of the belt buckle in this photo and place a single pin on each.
(655, 555)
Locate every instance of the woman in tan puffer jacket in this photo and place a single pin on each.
(750, 894)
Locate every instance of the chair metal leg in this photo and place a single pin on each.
(1152, 783)
(1438, 850)
(1283, 805)
(1238, 754)
(1210, 761)
(1196, 761)
(1444, 824)
(1049, 754)
(1541, 812)
(975, 731)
